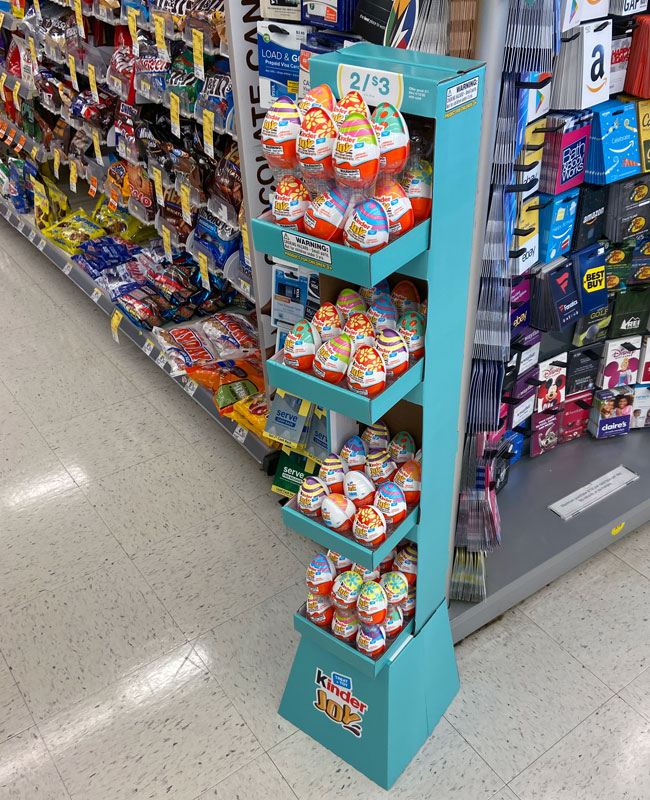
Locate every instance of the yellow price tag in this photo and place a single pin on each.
(57, 162)
(157, 182)
(203, 269)
(34, 152)
(197, 44)
(208, 132)
(2, 19)
(159, 28)
(10, 137)
(16, 89)
(133, 29)
(112, 203)
(116, 318)
(73, 176)
(167, 242)
(92, 187)
(37, 8)
(73, 71)
(186, 207)
(175, 113)
(79, 17)
(3, 78)
(32, 50)
(98, 148)
(93, 82)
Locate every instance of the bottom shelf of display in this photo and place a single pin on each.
(536, 545)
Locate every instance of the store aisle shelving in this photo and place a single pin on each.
(145, 583)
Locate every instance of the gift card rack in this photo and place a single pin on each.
(377, 714)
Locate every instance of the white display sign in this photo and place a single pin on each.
(587, 496)
(376, 86)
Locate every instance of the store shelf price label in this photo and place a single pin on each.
(159, 28)
(161, 361)
(197, 46)
(98, 148)
(190, 386)
(34, 152)
(93, 82)
(167, 242)
(20, 143)
(57, 162)
(157, 182)
(37, 9)
(203, 269)
(41, 245)
(133, 30)
(92, 186)
(79, 17)
(96, 295)
(73, 71)
(16, 91)
(116, 318)
(10, 137)
(147, 347)
(66, 269)
(112, 203)
(240, 433)
(175, 113)
(31, 236)
(376, 86)
(186, 207)
(208, 132)
(32, 50)
(73, 176)
(2, 18)
(3, 129)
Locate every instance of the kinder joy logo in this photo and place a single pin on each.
(597, 72)
(594, 279)
(335, 699)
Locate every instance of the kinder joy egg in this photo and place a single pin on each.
(311, 494)
(353, 454)
(387, 563)
(394, 621)
(395, 586)
(380, 466)
(345, 625)
(417, 182)
(345, 591)
(316, 145)
(406, 562)
(371, 640)
(369, 526)
(393, 137)
(318, 97)
(349, 302)
(405, 297)
(396, 204)
(412, 328)
(370, 294)
(393, 350)
(409, 605)
(356, 153)
(367, 227)
(326, 215)
(382, 314)
(350, 102)
(290, 202)
(327, 322)
(320, 610)
(280, 133)
(337, 512)
(390, 500)
(300, 346)
(321, 574)
(402, 447)
(332, 473)
(367, 574)
(342, 563)
(332, 359)
(372, 604)
(360, 331)
(409, 479)
(376, 436)
(367, 372)
(358, 488)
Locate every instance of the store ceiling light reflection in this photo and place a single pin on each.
(17, 494)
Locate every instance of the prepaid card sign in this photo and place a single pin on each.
(587, 496)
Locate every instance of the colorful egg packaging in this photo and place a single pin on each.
(363, 607)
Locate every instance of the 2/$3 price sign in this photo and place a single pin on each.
(376, 86)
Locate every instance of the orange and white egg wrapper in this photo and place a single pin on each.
(367, 372)
(356, 153)
(316, 145)
(290, 202)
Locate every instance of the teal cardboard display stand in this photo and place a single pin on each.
(377, 714)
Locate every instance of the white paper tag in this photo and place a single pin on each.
(96, 295)
(66, 269)
(305, 249)
(161, 361)
(240, 433)
(147, 347)
(41, 245)
(190, 386)
(594, 492)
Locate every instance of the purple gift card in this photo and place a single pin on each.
(520, 292)
(526, 384)
(545, 433)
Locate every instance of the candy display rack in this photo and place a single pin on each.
(377, 714)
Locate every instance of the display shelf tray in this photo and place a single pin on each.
(336, 397)
(344, 543)
(351, 265)
(346, 652)
(253, 444)
(536, 545)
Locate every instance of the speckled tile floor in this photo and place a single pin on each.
(130, 668)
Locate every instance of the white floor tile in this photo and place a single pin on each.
(143, 373)
(147, 503)
(165, 731)
(69, 642)
(257, 780)
(26, 770)
(14, 714)
(604, 758)
(599, 613)
(48, 543)
(634, 549)
(445, 768)
(207, 575)
(190, 419)
(112, 438)
(251, 660)
(269, 510)
(637, 694)
(505, 794)
(519, 693)
(238, 470)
